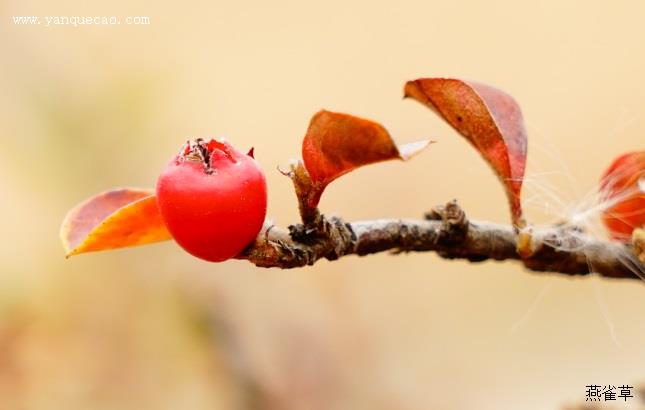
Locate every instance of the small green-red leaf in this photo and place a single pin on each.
(336, 144)
(490, 120)
(114, 219)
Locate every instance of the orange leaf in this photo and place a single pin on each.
(490, 120)
(113, 219)
(336, 144)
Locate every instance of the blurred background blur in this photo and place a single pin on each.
(84, 109)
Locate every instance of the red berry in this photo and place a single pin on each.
(623, 189)
(213, 199)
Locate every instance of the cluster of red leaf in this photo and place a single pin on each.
(336, 144)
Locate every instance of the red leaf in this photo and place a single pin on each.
(622, 189)
(490, 120)
(336, 144)
(113, 219)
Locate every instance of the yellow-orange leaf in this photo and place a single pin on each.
(114, 219)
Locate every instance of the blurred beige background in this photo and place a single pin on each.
(88, 108)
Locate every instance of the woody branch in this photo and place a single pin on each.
(445, 230)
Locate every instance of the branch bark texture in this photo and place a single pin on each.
(446, 231)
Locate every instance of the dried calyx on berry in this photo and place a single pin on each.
(207, 152)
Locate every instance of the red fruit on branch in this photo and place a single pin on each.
(623, 191)
(212, 199)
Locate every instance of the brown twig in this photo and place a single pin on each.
(446, 231)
